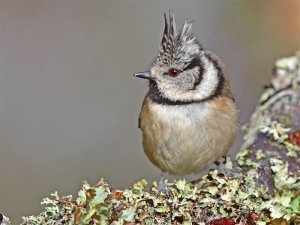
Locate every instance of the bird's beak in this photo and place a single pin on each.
(144, 74)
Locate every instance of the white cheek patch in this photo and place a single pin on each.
(193, 72)
(205, 88)
(209, 80)
(189, 78)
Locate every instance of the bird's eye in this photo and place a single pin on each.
(173, 72)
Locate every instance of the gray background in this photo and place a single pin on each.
(69, 104)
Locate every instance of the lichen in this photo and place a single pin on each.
(214, 197)
(282, 136)
(276, 130)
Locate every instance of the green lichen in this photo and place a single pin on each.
(215, 196)
(243, 159)
(58, 210)
(260, 155)
(276, 131)
(280, 135)
(293, 150)
(287, 189)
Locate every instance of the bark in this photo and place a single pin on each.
(274, 127)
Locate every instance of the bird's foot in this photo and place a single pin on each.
(162, 188)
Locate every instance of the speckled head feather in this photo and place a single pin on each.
(177, 47)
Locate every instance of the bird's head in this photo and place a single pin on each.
(182, 72)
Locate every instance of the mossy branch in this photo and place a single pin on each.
(266, 190)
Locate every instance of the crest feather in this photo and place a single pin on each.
(175, 43)
(169, 33)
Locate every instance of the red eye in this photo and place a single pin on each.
(173, 72)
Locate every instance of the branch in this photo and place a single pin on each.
(266, 190)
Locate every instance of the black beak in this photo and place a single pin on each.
(143, 74)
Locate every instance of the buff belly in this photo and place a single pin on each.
(185, 139)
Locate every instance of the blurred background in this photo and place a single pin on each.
(69, 103)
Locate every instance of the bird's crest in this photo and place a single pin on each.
(181, 45)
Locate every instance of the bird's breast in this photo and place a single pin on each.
(184, 139)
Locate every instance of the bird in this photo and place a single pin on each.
(188, 117)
